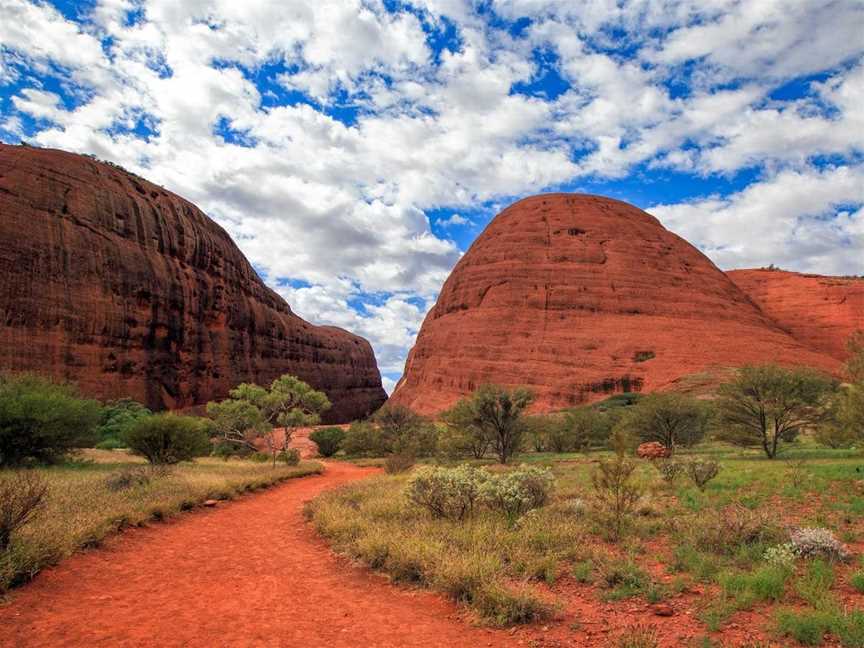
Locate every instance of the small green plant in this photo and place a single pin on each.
(328, 440)
(808, 628)
(289, 456)
(813, 586)
(702, 472)
(856, 580)
(22, 495)
(782, 555)
(168, 438)
(623, 579)
(616, 489)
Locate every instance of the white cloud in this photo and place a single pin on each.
(340, 206)
(453, 220)
(796, 219)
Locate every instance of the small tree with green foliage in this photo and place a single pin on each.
(363, 440)
(289, 403)
(237, 424)
(116, 417)
(588, 427)
(168, 438)
(404, 432)
(461, 434)
(42, 421)
(328, 440)
(768, 405)
(670, 419)
(497, 413)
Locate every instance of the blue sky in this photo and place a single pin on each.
(355, 148)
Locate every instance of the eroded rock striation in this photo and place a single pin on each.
(818, 311)
(131, 291)
(578, 297)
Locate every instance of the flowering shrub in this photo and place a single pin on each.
(447, 492)
(455, 493)
(818, 542)
(513, 493)
(782, 555)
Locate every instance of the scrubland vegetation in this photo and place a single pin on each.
(58, 496)
(757, 509)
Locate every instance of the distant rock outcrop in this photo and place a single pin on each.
(820, 312)
(132, 291)
(579, 297)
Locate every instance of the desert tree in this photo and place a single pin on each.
(461, 434)
(404, 432)
(42, 421)
(667, 418)
(768, 405)
(587, 427)
(254, 412)
(496, 413)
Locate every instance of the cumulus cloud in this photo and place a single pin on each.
(321, 133)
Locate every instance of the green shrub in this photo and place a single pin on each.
(766, 583)
(518, 491)
(42, 421)
(702, 472)
(328, 440)
(507, 605)
(168, 438)
(623, 578)
(849, 628)
(814, 585)
(616, 489)
(404, 432)
(363, 440)
(290, 457)
(451, 493)
(22, 495)
(857, 581)
(116, 417)
(808, 628)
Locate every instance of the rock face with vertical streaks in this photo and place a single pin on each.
(131, 291)
(579, 297)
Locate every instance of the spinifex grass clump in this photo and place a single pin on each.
(453, 530)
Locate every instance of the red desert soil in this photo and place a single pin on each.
(247, 573)
(253, 573)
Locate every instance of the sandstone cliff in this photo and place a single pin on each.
(578, 297)
(820, 312)
(129, 290)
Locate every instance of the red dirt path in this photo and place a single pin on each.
(247, 573)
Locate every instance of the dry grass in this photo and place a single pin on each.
(82, 508)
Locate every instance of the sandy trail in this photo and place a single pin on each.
(247, 573)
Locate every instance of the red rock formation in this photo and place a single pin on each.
(129, 290)
(820, 312)
(578, 297)
(652, 450)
